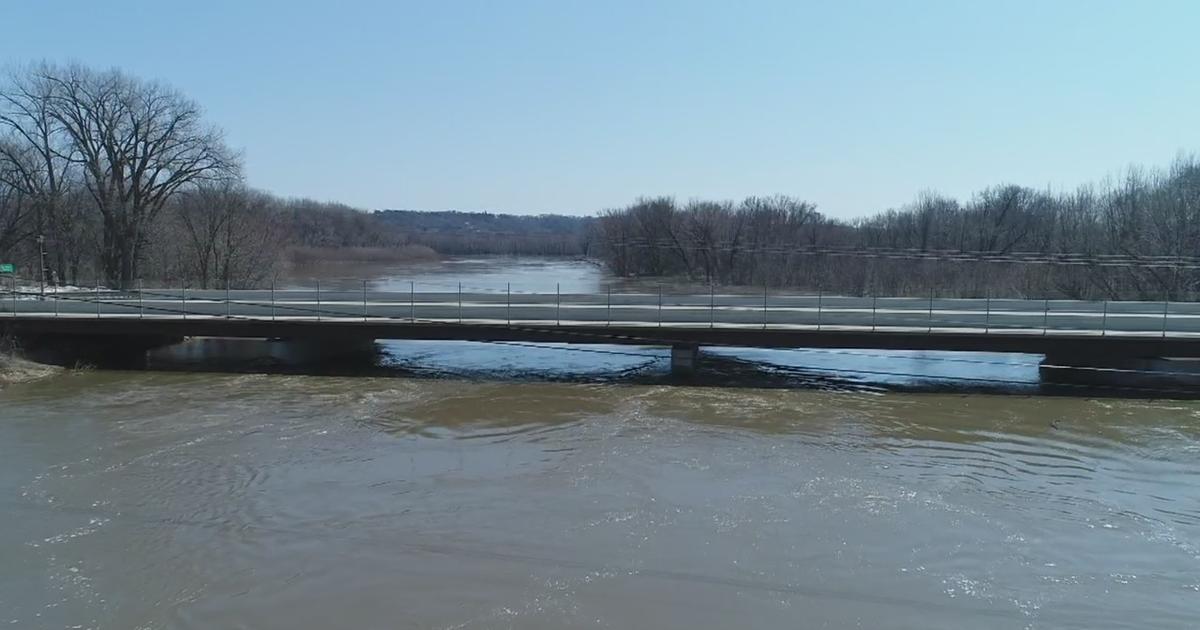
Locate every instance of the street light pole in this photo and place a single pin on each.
(41, 241)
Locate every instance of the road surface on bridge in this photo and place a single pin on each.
(716, 310)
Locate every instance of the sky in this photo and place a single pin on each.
(571, 106)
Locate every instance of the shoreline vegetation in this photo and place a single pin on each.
(398, 254)
(1136, 237)
(77, 209)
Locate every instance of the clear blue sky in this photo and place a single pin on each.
(577, 106)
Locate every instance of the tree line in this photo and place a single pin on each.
(109, 179)
(1135, 237)
(90, 161)
(488, 233)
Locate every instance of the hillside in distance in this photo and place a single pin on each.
(455, 232)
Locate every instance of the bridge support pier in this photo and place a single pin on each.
(1160, 376)
(684, 358)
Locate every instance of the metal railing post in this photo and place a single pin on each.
(1166, 307)
(14, 294)
(987, 322)
(141, 301)
(460, 302)
(820, 305)
(874, 306)
(412, 301)
(227, 301)
(764, 306)
(1045, 316)
(609, 313)
(929, 329)
(272, 299)
(56, 290)
(508, 303)
(660, 305)
(364, 300)
(97, 299)
(1104, 320)
(318, 300)
(712, 305)
(183, 300)
(558, 304)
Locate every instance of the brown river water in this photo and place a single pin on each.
(483, 486)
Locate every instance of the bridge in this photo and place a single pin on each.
(1118, 337)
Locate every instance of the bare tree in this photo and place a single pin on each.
(1138, 238)
(232, 235)
(136, 144)
(35, 159)
(12, 218)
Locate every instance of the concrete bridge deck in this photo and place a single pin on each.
(1058, 328)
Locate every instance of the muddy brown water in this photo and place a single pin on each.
(474, 495)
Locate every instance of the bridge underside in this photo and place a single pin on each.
(1096, 359)
(1173, 374)
(90, 349)
(1058, 345)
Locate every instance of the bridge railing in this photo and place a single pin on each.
(776, 311)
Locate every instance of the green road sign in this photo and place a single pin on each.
(8, 268)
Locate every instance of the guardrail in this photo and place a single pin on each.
(608, 308)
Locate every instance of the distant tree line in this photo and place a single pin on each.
(232, 236)
(480, 233)
(106, 178)
(1137, 237)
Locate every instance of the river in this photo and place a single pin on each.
(460, 485)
